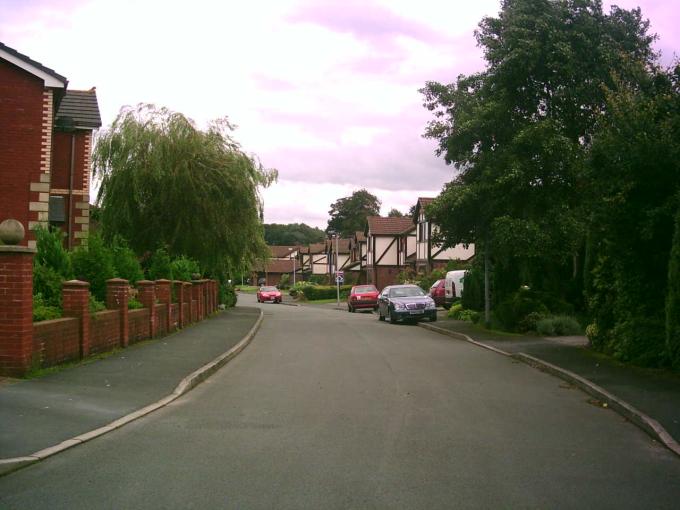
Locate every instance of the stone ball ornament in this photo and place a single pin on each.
(12, 232)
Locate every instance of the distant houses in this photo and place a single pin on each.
(377, 255)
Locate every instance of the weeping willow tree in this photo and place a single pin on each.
(166, 183)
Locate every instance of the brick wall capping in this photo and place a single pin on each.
(75, 283)
(144, 283)
(186, 284)
(16, 249)
(121, 281)
(163, 280)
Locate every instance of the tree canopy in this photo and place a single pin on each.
(348, 214)
(565, 147)
(395, 213)
(276, 234)
(167, 183)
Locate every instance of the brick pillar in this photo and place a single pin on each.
(213, 305)
(164, 295)
(117, 297)
(147, 296)
(187, 300)
(16, 310)
(76, 299)
(180, 302)
(196, 296)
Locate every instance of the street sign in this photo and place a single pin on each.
(339, 276)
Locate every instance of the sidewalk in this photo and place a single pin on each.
(654, 392)
(42, 412)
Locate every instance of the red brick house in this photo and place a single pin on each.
(272, 270)
(45, 147)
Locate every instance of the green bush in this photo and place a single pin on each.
(297, 289)
(134, 304)
(428, 279)
(454, 311)
(160, 265)
(314, 292)
(530, 322)
(43, 311)
(48, 284)
(473, 289)
(319, 279)
(126, 263)
(227, 294)
(284, 283)
(93, 263)
(182, 268)
(469, 315)
(50, 252)
(511, 312)
(407, 275)
(96, 305)
(558, 325)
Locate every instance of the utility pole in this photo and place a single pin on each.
(337, 279)
(487, 296)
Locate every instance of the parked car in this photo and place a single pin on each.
(405, 302)
(453, 289)
(437, 292)
(362, 297)
(268, 293)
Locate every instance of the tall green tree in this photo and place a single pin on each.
(519, 134)
(167, 183)
(395, 213)
(348, 214)
(291, 234)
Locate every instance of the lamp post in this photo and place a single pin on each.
(337, 279)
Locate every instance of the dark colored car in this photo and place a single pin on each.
(438, 292)
(405, 302)
(268, 294)
(362, 297)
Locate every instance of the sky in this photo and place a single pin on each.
(324, 91)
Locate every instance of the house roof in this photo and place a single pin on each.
(49, 76)
(279, 252)
(79, 109)
(421, 204)
(317, 248)
(276, 266)
(379, 225)
(343, 245)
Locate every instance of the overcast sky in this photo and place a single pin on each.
(324, 91)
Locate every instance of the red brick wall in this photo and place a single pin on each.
(385, 275)
(55, 342)
(138, 325)
(104, 331)
(174, 315)
(21, 111)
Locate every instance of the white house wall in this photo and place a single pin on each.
(389, 258)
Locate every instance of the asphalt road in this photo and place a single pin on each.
(327, 409)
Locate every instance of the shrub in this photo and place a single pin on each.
(284, 283)
(517, 307)
(319, 279)
(529, 322)
(183, 267)
(50, 252)
(160, 265)
(125, 262)
(96, 305)
(48, 284)
(469, 315)
(93, 263)
(473, 289)
(314, 292)
(407, 275)
(297, 289)
(134, 304)
(227, 295)
(427, 280)
(43, 311)
(558, 325)
(454, 311)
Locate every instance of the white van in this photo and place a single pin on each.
(453, 287)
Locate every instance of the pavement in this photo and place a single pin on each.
(41, 413)
(655, 393)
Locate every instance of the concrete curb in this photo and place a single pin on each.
(635, 416)
(185, 385)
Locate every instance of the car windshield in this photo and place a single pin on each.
(406, 292)
(269, 289)
(362, 289)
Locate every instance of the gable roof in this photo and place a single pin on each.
(79, 109)
(379, 225)
(421, 204)
(49, 76)
(317, 248)
(343, 245)
(279, 252)
(276, 266)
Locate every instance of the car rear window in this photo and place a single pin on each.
(268, 289)
(436, 284)
(361, 289)
(406, 292)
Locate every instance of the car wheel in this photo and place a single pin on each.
(380, 316)
(393, 318)
(433, 318)
(350, 309)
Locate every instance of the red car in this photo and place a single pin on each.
(268, 294)
(438, 292)
(362, 296)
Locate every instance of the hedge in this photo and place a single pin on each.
(314, 292)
